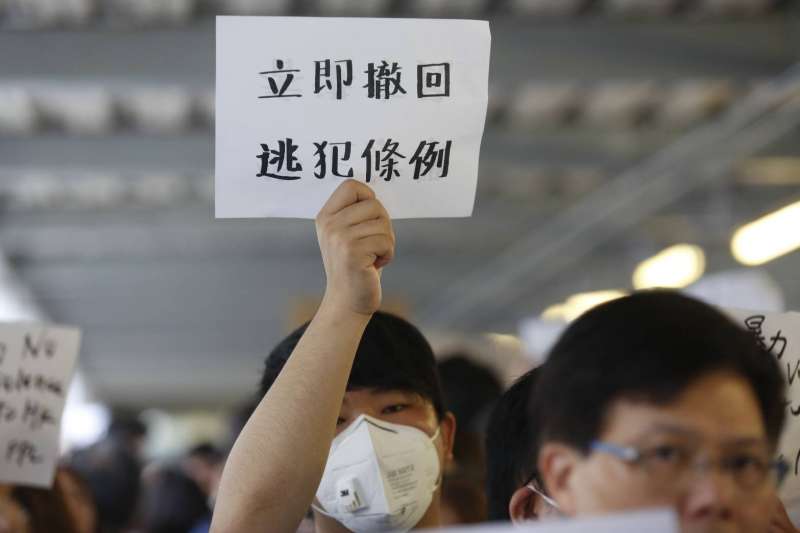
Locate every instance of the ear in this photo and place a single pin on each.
(447, 429)
(522, 506)
(558, 467)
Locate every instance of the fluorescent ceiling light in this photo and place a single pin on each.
(577, 304)
(674, 267)
(768, 237)
(505, 340)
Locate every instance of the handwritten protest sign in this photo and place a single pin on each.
(656, 521)
(305, 103)
(36, 366)
(780, 333)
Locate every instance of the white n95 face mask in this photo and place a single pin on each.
(379, 476)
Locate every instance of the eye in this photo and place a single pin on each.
(394, 408)
(669, 454)
(745, 462)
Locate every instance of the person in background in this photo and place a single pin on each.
(463, 501)
(514, 490)
(203, 464)
(173, 503)
(469, 389)
(56, 509)
(78, 498)
(128, 432)
(113, 475)
(13, 517)
(657, 399)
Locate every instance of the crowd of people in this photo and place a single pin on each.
(109, 487)
(654, 400)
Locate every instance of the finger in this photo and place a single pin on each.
(360, 212)
(380, 248)
(348, 193)
(378, 226)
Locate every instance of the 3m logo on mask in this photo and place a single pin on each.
(379, 476)
(350, 494)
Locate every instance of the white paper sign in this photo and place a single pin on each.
(304, 103)
(36, 366)
(780, 333)
(662, 521)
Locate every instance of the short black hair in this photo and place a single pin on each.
(510, 445)
(207, 452)
(392, 355)
(173, 503)
(113, 475)
(649, 346)
(469, 388)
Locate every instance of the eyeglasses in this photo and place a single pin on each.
(535, 486)
(673, 464)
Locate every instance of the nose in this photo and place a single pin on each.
(710, 495)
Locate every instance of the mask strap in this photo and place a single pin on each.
(548, 500)
(321, 511)
(441, 469)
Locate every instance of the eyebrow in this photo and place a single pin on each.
(675, 429)
(378, 392)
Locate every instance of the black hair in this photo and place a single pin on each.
(173, 503)
(510, 446)
(469, 388)
(649, 346)
(112, 474)
(206, 452)
(392, 355)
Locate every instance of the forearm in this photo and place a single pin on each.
(277, 462)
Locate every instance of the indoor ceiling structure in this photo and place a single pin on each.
(616, 128)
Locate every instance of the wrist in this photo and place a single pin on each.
(338, 310)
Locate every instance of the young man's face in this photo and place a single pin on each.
(715, 421)
(398, 407)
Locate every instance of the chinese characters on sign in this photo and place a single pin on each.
(383, 160)
(36, 366)
(302, 104)
(383, 80)
(779, 333)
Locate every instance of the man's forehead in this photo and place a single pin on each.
(643, 421)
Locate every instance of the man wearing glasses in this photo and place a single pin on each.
(658, 400)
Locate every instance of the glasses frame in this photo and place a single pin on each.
(632, 455)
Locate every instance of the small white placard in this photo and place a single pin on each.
(36, 365)
(780, 333)
(303, 103)
(656, 521)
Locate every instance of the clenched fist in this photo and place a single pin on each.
(356, 240)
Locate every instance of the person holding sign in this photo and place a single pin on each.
(352, 424)
(657, 399)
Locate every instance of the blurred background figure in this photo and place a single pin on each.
(470, 390)
(112, 475)
(67, 506)
(203, 464)
(174, 503)
(14, 518)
